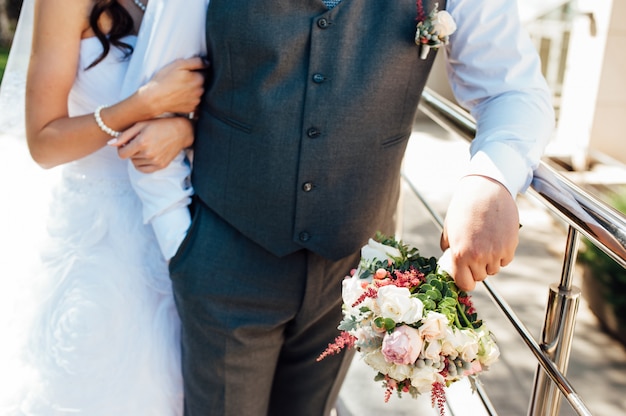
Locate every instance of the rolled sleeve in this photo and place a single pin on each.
(494, 71)
(165, 195)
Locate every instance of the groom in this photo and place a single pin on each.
(300, 137)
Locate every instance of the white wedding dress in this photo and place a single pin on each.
(103, 338)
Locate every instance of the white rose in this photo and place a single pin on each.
(423, 378)
(377, 251)
(450, 343)
(491, 354)
(433, 351)
(434, 326)
(488, 351)
(351, 291)
(376, 360)
(397, 304)
(443, 24)
(469, 347)
(400, 372)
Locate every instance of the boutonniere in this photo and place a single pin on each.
(433, 30)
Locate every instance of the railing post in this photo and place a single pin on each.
(558, 332)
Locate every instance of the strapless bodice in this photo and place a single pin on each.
(99, 85)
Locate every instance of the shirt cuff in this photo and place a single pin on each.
(170, 229)
(502, 163)
(164, 189)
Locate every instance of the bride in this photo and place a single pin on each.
(103, 338)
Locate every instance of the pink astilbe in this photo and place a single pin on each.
(438, 398)
(410, 278)
(344, 340)
(391, 384)
(467, 302)
(370, 292)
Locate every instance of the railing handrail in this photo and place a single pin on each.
(596, 220)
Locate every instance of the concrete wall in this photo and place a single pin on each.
(608, 132)
(587, 72)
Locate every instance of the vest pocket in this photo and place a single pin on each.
(239, 125)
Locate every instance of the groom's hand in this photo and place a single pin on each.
(481, 229)
(152, 145)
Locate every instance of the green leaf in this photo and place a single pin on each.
(425, 287)
(429, 305)
(379, 377)
(434, 295)
(379, 322)
(389, 324)
(348, 324)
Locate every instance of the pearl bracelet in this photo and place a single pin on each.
(108, 130)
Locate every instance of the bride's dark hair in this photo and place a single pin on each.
(122, 24)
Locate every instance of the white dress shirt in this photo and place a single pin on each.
(170, 30)
(494, 71)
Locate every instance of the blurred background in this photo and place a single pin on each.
(581, 44)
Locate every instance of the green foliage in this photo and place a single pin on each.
(385, 323)
(349, 323)
(437, 293)
(4, 54)
(410, 257)
(608, 272)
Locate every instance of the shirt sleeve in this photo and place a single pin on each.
(166, 194)
(494, 71)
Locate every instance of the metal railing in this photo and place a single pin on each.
(585, 215)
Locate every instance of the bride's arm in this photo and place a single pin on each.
(153, 144)
(55, 138)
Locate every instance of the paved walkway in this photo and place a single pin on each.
(597, 368)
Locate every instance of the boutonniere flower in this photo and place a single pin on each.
(433, 30)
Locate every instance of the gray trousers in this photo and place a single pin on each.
(254, 324)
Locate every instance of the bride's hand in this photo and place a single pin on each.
(152, 145)
(176, 88)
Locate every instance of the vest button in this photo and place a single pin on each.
(307, 187)
(304, 236)
(313, 132)
(323, 23)
(319, 78)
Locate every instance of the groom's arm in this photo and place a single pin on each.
(495, 73)
(161, 180)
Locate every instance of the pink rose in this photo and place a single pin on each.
(402, 346)
(474, 369)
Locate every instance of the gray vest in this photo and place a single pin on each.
(306, 118)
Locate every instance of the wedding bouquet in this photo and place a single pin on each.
(411, 323)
